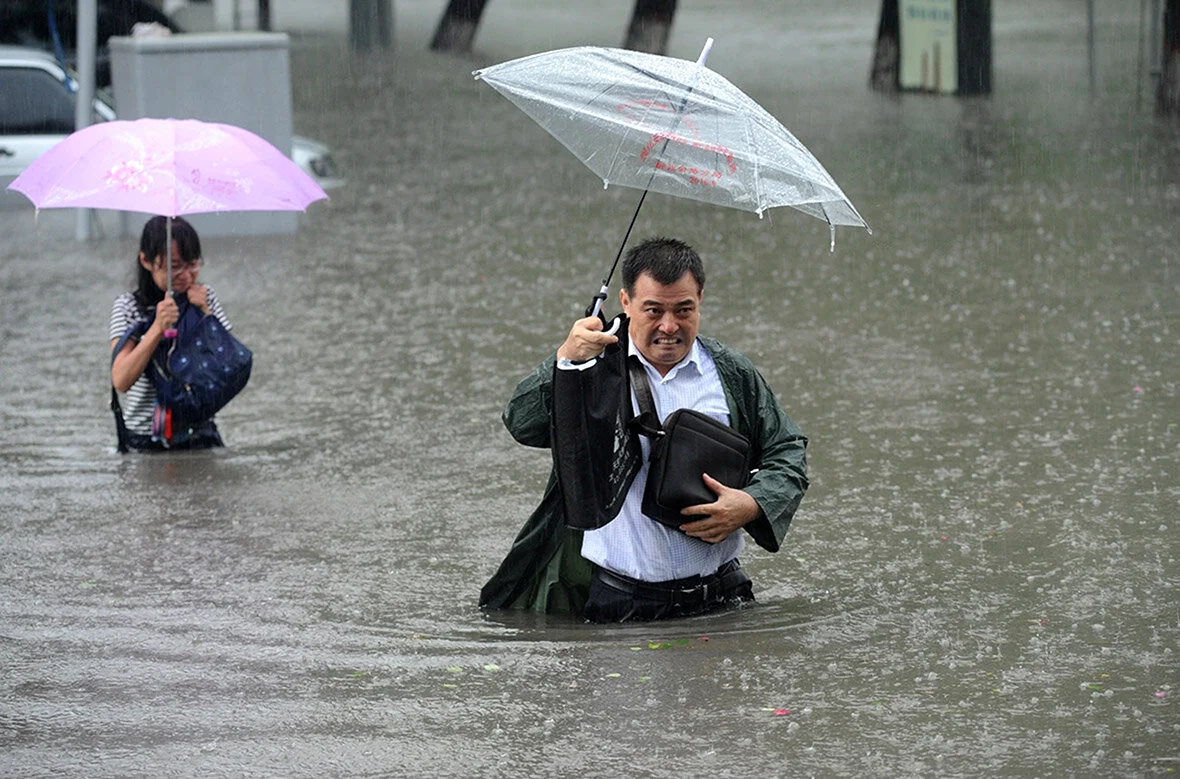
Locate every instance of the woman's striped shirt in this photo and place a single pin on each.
(139, 400)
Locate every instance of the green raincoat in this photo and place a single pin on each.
(544, 570)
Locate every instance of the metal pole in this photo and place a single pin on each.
(1155, 42)
(168, 252)
(84, 108)
(172, 331)
(1090, 44)
(1142, 64)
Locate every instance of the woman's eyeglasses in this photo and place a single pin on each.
(178, 267)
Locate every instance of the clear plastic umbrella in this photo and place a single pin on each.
(672, 126)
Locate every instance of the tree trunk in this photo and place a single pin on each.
(456, 29)
(885, 75)
(124, 15)
(370, 24)
(1167, 101)
(651, 24)
(975, 47)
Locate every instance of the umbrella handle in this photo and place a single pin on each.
(171, 332)
(595, 306)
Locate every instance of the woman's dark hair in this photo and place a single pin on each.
(153, 244)
(665, 259)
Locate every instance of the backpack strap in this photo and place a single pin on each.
(120, 425)
(135, 331)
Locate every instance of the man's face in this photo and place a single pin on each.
(664, 318)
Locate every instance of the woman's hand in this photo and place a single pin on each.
(198, 295)
(166, 314)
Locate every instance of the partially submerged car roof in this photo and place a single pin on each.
(30, 54)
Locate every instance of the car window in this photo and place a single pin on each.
(32, 102)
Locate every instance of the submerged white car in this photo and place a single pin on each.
(37, 100)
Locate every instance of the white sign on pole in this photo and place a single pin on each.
(929, 51)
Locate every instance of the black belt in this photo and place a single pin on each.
(690, 592)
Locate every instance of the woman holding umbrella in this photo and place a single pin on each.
(170, 167)
(148, 302)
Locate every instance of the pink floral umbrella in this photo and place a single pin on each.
(169, 167)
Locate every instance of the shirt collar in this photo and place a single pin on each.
(691, 361)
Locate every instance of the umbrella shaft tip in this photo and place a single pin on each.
(705, 51)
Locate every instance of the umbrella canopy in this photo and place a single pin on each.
(672, 126)
(169, 167)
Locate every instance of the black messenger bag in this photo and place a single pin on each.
(687, 445)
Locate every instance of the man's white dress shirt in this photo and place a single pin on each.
(639, 547)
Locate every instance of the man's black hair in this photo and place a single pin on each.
(665, 260)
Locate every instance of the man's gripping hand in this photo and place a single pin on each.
(585, 341)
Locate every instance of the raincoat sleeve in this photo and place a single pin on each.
(527, 414)
(544, 571)
(778, 447)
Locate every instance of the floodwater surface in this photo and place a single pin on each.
(982, 579)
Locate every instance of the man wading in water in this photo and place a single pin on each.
(635, 568)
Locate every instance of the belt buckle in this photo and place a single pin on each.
(690, 597)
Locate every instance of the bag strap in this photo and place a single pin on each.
(120, 423)
(648, 421)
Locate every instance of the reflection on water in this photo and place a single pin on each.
(981, 580)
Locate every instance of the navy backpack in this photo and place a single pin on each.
(195, 374)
